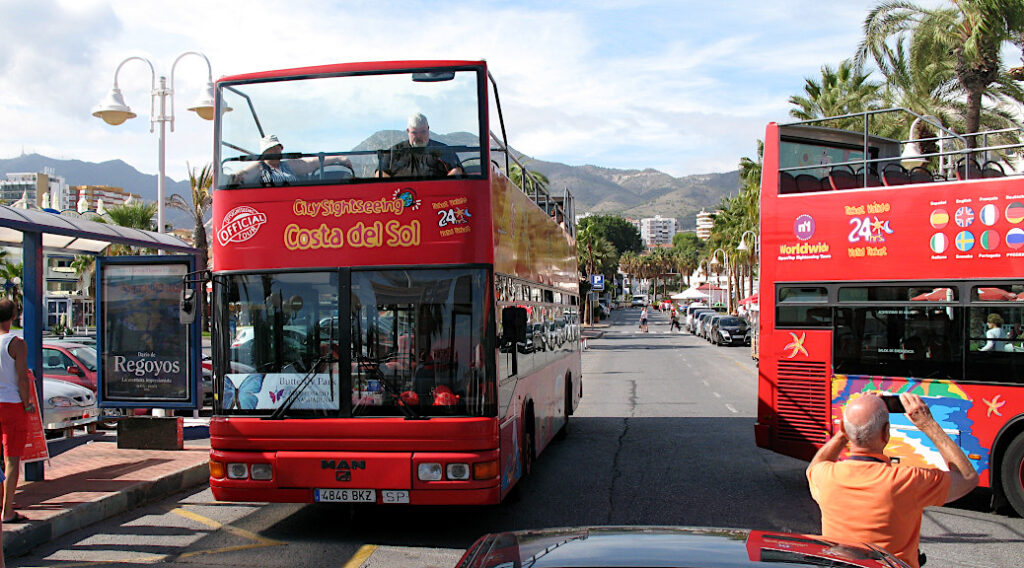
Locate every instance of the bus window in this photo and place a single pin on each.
(904, 341)
(897, 294)
(996, 343)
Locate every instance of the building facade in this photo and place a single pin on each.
(40, 188)
(705, 221)
(111, 196)
(657, 230)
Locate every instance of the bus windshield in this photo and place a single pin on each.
(415, 343)
(352, 128)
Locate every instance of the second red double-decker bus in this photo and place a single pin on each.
(893, 267)
(396, 321)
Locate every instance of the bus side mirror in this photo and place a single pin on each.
(513, 324)
(187, 306)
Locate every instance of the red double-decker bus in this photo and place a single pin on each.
(395, 320)
(878, 276)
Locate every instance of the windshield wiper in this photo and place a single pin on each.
(278, 413)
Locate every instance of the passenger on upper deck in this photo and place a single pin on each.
(272, 170)
(420, 156)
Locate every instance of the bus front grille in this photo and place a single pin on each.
(802, 401)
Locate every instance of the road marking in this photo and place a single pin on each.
(259, 541)
(716, 394)
(705, 381)
(361, 555)
(732, 409)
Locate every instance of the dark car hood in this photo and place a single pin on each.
(664, 546)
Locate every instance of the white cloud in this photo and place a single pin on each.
(681, 86)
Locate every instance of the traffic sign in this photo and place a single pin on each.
(597, 282)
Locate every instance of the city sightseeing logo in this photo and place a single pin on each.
(240, 224)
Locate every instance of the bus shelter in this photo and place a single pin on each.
(38, 232)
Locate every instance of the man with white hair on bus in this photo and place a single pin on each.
(419, 156)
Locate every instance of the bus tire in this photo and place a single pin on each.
(1012, 474)
(563, 432)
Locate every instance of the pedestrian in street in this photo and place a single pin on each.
(15, 407)
(643, 319)
(674, 324)
(865, 498)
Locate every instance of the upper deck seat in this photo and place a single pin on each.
(895, 174)
(921, 174)
(787, 183)
(842, 177)
(806, 183)
(992, 169)
(872, 178)
(968, 169)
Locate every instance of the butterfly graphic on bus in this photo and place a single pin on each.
(244, 396)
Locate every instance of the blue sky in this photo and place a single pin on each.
(685, 87)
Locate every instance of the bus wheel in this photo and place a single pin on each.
(1013, 474)
(566, 411)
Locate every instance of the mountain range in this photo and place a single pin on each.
(631, 193)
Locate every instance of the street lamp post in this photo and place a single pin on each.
(757, 252)
(728, 283)
(114, 111)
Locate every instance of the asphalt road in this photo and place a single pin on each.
(664, 436)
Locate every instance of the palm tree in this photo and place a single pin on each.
(844, 90)
(594, 253)
(533, 179)
(969, 34)
(202, 200)
(136, 215)
(84, 266)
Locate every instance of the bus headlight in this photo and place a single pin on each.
(238, 471)
(429, 472)
(457, 471)
(262, 471)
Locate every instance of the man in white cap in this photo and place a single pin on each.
(420, 156)
(272, 170)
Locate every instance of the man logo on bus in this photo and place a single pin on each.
(240, 224)
(803, 228)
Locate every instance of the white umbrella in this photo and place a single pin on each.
(690, 294)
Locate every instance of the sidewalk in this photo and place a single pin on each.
(91, 480)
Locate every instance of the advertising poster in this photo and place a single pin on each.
(145, 347)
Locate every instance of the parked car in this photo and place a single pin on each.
(702, 321)
(709, 324)
(729, 330)
(66, 405)
(668, 546)
(691, 317)
(70, 361)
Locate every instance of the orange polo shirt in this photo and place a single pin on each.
(876, 502)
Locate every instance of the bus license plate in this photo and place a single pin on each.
(345, 495)
(392, 496)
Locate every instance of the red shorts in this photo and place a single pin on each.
(14, 425)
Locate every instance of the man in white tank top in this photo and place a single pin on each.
(15, 405)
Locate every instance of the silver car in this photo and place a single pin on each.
(67, 405)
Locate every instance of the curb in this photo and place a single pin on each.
(21, 541)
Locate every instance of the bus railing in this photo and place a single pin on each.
(562, 209)
(956, 156)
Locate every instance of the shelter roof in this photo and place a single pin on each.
(79, 235)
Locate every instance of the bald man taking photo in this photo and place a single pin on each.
(867, 498)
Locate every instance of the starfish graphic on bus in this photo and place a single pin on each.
(994, 405)
(797, 345)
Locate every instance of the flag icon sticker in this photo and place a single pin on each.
(964, 241)
(989, 240)
(939, 218)
(939, 243)
(988, 215)
(1015, 238)
(1015, 212)
(964, 216)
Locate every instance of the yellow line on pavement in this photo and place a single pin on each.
(361, 555)
(261, 541)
